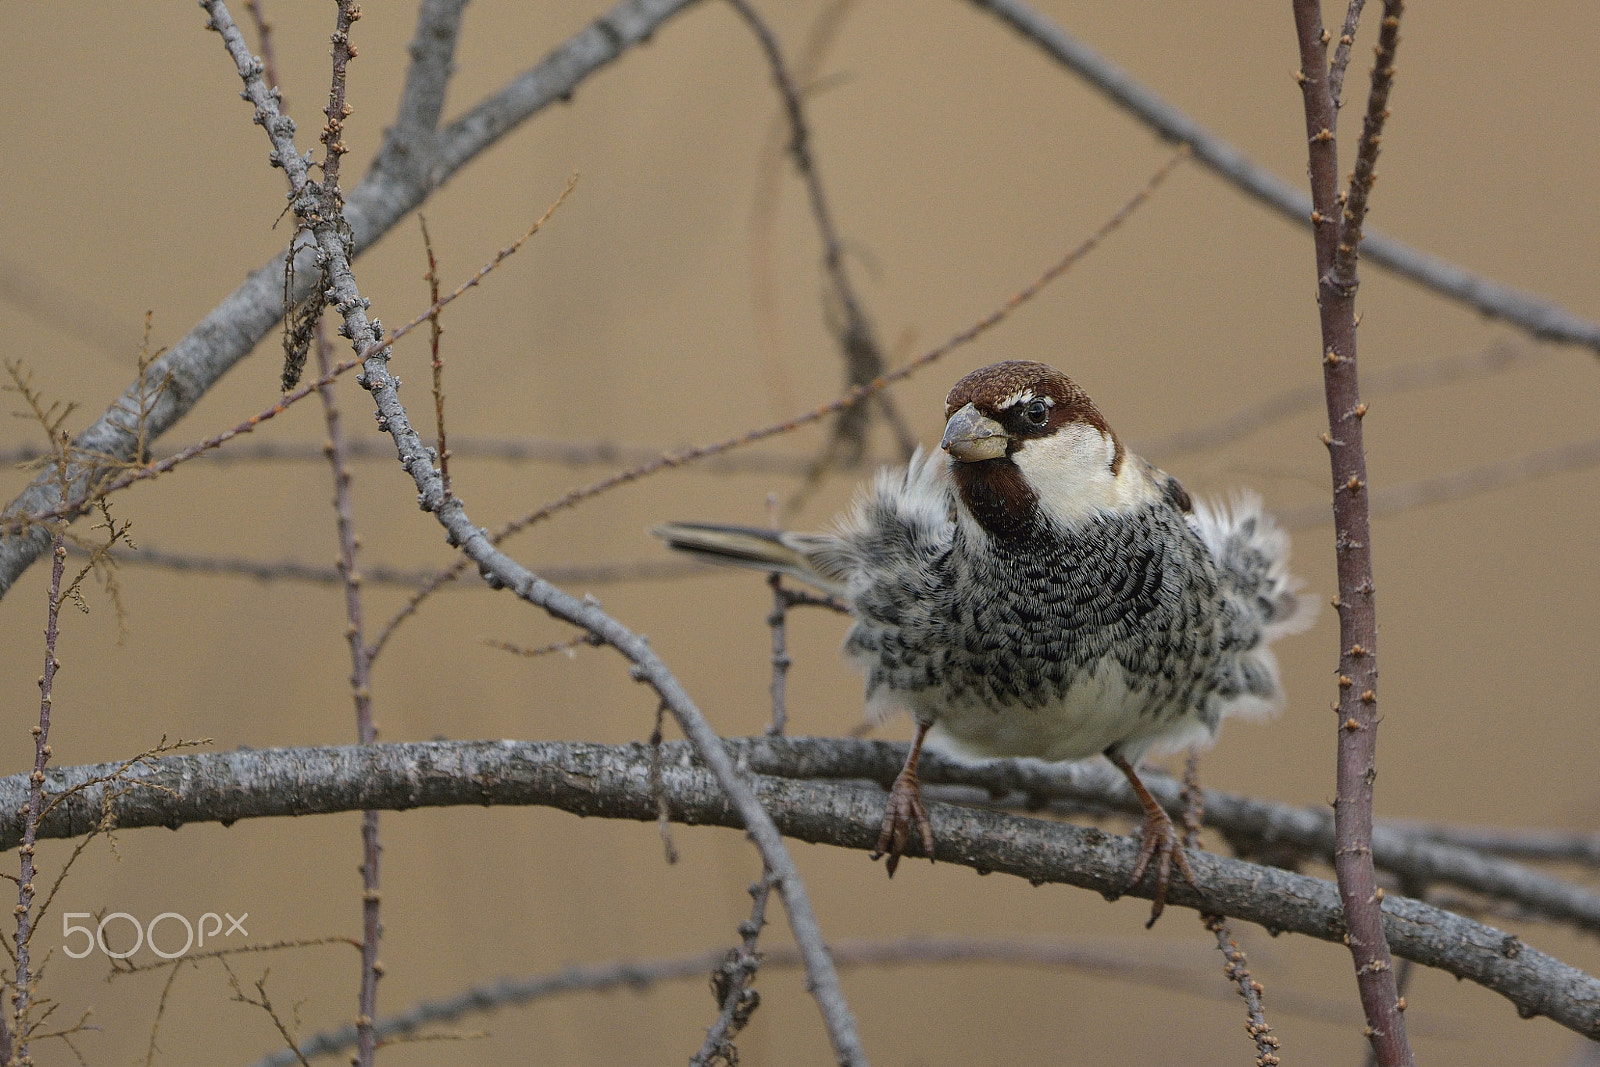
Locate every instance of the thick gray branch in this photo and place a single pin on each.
(613, 781)
(393, 186)
(1535, 314)
(1251, 825)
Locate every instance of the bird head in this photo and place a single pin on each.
(1028, 447)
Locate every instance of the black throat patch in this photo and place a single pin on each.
(998, 496)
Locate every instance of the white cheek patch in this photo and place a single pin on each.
(1070, 470)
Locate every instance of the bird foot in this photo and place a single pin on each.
(1160, 842)
(904, 807)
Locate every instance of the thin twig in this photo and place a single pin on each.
(332, 207)
(269, 61)
(160, 467)
(380, 346)
(672, 460)
(1336, 224)
(506, 449)
(1341, 52)
(1407, 377)
(824, 31)
(863, 356)
(669, 849)
(580, 574)
(1236, 966)
(776, 620)
(361, 694)
(569, 646)
(730, 983)
(442, 446)
(20, 999)
(1457, 485)
(264, 1002)
(1111, 962)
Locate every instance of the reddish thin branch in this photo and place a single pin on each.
(1341, 52)
(1236, 965)
(348, 12)
(138, 474)
(730, 982)
(361, 693)
(1336, 225)
(437, 365)
(777, 621)
(863, 356)
(21, 996)
(269, 62)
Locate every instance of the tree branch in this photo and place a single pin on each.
(1336, 226)
(613, 781)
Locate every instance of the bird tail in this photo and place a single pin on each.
(1251, 552)
(1252, 555)
(744, 546)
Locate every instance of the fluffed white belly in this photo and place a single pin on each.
(1093, 715)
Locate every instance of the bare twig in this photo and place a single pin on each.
(1405, 378)
(1341, 52)
(580, 574)
(730, 983)
(863, 356)
(264, 1002)
(824, 31)
(361, 694)
(1457, 485)
(101, 490)
(442, 445)
(1540, 845)
(347, 12)
(1236, 966)
(780, 655)
(671, 460)
(269, 61)
(1114, 963)
(507, 449)
(569, 646)
(1336, 224)
(18, 1031)
(380, 346)
(612, 782)
(1535, 314)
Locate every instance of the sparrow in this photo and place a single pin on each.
(1034, 589)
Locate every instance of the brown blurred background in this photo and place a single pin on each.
(960, 163)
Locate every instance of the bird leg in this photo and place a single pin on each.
(904, 806)
(1158, 840)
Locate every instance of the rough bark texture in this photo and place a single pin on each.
(613, 781)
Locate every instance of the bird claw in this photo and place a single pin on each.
(1159, 841)
(904, 806)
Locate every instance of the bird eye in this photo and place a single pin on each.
(1038, 412)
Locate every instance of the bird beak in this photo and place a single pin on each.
(970, 437)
